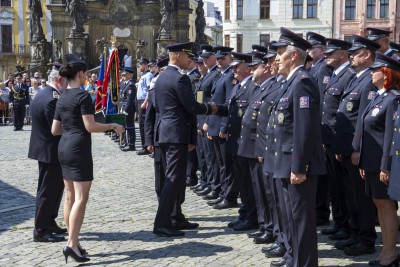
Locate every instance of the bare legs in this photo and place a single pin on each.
(77, 195)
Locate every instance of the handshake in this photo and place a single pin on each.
(214, 108)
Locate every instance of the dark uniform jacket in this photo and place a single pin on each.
(356, 97)
(123, 85)
(194, 76)
(374, 132)
(220, 92)
(394, 168)
(248, 133)
(203, 91)
(43, 145)
(152, 118)
(130, 90)
(331, 96)
(297, 135)
(322, 73)
(19, 95)
(177, 104)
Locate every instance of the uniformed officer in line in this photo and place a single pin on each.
(396, 50)
(203, 95)
(19, 100)
(298, 149)
(382, 37)
(225, 191)
(43, 147)
(129, 110)
(234, 108)
(356, 97)
(263, 79)
(337, 57)
(176, 135)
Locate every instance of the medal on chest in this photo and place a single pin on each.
(349, 106)
(281, 118)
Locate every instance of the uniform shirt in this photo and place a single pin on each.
(143, 86)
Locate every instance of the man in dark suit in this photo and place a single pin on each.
(356, 97)
(19, 100)
(43, 147)
(337, 57)
(176, 134)
(298, 149)
(129, 111)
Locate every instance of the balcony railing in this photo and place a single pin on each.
(10, 48)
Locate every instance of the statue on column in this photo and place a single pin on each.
(200, 24)
(36, 30)
(78, 12)
(166, 10)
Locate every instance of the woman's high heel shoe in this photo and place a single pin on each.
(394, 263)
(67, 251)
(82, 250)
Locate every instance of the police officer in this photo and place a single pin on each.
(396, 50)
(337, 57)
(382, 37)
(298, 148)
(356, 97)
(129, 110)
(176, 134)
(43, 147)
(19, 98)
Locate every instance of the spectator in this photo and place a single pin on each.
(42, 83)
(91, 89)
(37, 76)
(4, 101)
(33, 89)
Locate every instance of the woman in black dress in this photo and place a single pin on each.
(372, 145)
(74, 120)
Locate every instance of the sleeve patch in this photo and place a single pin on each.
(304, 102)
(371, 95)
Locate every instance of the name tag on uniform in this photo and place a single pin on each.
(304, 102)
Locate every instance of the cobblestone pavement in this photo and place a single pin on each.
(117, 230)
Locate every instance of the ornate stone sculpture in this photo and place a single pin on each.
(200, 23)
(36, 30)
(166, 10)
(140, 46)
(78, 11)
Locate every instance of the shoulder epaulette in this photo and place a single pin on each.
(301, 74)
(395, 92)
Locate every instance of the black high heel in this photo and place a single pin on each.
(67, 251)
(82, 250)
(394, 263)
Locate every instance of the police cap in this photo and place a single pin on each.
(143, 61)
(335, 44)
(74, 59)
(221, 51)
(206, 50)
(395, 46)
(381, 60)
(374, 33)
(257, 58)
(127, 70)
(361, 42)
(271, 50)
(241, 58)
(259, 48)
(315, 39)
(181, 47)
(162, 62)
(290, 38)
(152, 62)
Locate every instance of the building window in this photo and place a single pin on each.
(239, 9)
(227, 40)
(384, 8)
(6, 39)
(350, 10)
(348, 38)
(297, 9)
(264, 9)
(5, 3)
(239, 43)
(227, 9)
(264, 39)
(371, 5)
(312, 8)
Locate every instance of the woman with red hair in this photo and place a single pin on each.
(372, 145)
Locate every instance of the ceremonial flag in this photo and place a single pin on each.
(111, 82)
(101, 91)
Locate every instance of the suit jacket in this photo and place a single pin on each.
(331, 96)
(356, 97)
(123, 85)
(43, 145)
(374, 132)
(130, 90)
(19, 95)
(194, 76)
(177, 104)
(248, 133)
(203, 88)
(297, 132)
(394, 167)
(152, 118)
(220, 92)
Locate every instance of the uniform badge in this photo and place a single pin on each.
(349, 106)
(240, 112)
(326, 79)
(129, 91)
(375, 112)
(304, 102)
(371, 95)
(281, 118)
(56, 95)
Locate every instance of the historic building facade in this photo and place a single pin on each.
(213, 27)
(353, 17)
(247, 22)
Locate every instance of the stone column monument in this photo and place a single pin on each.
(77, 41)
(164, 33)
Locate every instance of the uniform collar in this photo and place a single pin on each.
(243, 82)
(55, 88)
(361, 72)
(293, 71)
(344, 65)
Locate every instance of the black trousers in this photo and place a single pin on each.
(271, 192)
(248, 210)
(213, 173)
(175, 156)
(18, 115)
(200, 150)
(361, 207)
(48, 197)
(230, 185)
(192, 167)
(220, 155)
(130, 134)
(159, 171)
(141, 116)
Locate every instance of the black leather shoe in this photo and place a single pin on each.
(345, 243)
(160, 231)
(274, 246)
(190, 182)
(151, 155)
(185, 225)
(200, 188)
(257, 233)
(329, 231)
(321, 222)
(225, 204)
(358, 249)
(58, 230)
(49, 238)
(341, 235)
(373, 262)
(245, 226)
(215, 201)
(122, 146)
(142, 152)
(266, 238)
(278, 263)
(211, 195)
(195, 186)
(233, 223)
(127, 148)
(204, 192)
(275, 253)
